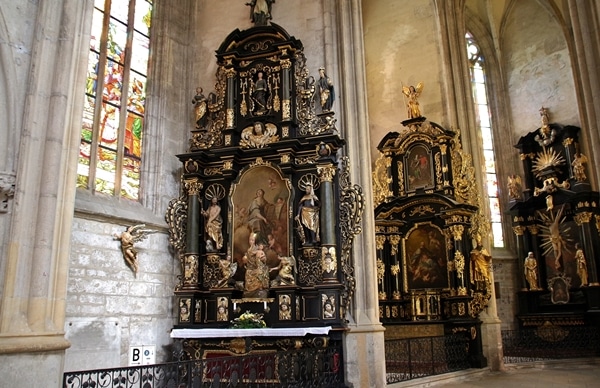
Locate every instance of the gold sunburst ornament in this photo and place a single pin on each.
(547, 159)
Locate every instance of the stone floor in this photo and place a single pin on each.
(555, 374)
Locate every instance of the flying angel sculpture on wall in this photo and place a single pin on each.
(133, 234)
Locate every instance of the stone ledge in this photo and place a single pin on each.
(31, 343)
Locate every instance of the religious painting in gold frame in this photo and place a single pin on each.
(425, 261)
(419, 168)
(261, 203)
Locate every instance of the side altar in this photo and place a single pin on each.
(267, 213)
(556, 219)
(434, 275)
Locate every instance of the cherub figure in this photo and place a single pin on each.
(133, 234)
(413, 93)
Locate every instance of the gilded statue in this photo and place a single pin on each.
(285, 272)
(200, 109)
(308, 216)
(326, 91)
(413, 93)
(581, 264)
(133, 234)
(531, 272)
(480, 266)
(556, 239)
(228, 269)
(546, 135)
(515, 187)
(256, 279)
(578, 167)
(214, 224)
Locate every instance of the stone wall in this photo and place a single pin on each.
(109, 307)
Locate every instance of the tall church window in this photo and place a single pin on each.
(484, 120)
(110, 152)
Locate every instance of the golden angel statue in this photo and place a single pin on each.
(413, 93)
(578, 168)
(515, 187)
(133, 234)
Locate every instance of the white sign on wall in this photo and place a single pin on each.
(142, 355)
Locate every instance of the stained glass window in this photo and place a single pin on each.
(110, 153)
(484, 120)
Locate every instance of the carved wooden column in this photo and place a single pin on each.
(395, 267)
(192, 270)
(327, 221)
(527, 166)
(583, 221)
(380, 240)
(231, 89)
(459, 259)
(286, 66)
(519, 231)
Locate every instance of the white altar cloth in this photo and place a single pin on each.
(232, 333)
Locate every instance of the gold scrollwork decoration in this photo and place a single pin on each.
(421, 210)
(326, 173)
(582, 218)
(519, 230)
(381, 179)
(379, 241)
(394, 241)
(457, 232)
(192, 186)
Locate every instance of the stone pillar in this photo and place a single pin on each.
(585, 26)
(364, 346)
(459, 106)
(32, 311)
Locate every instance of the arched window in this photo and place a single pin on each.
(484, 120)
(110, 153)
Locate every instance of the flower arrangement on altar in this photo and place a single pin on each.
(248, 320)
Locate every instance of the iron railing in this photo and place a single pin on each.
(298, 368)
(550, 343)
(412, 358)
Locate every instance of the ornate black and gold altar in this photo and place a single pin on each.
(556, 219)
(433, 274)
(267, 214)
